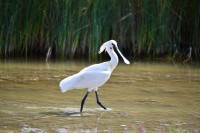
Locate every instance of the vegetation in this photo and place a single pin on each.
(73, 28)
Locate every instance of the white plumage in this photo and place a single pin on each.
(85, 79)
(95, 75)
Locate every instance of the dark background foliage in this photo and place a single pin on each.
(71, 28)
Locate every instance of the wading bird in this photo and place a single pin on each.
(94, 76)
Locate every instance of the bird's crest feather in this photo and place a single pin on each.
(102, 48)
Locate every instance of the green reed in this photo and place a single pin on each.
(78, 28)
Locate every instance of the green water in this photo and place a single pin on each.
(151, 97)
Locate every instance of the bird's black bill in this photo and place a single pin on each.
(98, 102)
(83, 101)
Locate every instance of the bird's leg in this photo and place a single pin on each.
(83, 101)
(98, 102)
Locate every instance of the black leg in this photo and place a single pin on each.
(83, 101)
(98, 102)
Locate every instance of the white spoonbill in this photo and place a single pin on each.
(95, 75)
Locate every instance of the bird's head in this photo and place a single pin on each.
(108, 45)
(111, 45)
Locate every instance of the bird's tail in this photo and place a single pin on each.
(64, 86)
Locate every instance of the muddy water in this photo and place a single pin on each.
(141, 97)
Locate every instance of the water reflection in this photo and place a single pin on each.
(151, 97)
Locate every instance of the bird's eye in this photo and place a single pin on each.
(110, 47)
(114, 47)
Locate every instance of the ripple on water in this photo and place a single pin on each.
(31, 130)
(62, 130)
(75, 112)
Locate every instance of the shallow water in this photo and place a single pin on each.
(140, 97)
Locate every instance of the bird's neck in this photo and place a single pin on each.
(114, 59)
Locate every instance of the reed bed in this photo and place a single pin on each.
(76, 28)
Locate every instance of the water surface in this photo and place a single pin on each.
(151, 97)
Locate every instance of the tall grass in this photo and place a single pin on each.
(76, 28)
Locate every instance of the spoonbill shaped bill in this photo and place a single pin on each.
(94, 76)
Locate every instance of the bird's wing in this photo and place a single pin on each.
(92, 79)
(85, 79)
